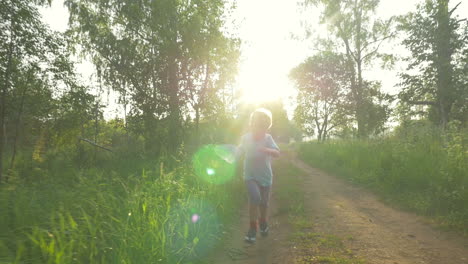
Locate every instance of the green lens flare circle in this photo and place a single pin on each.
(215, 163)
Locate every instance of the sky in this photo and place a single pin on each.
(273, 42)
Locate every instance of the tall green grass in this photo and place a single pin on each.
(128, 209)
(422, 171)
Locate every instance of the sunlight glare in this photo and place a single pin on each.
(268, 52)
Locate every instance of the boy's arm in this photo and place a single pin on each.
(271, 149)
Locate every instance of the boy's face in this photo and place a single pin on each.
(258, 130)
(259, 126)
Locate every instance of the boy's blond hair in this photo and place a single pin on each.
(261, 118)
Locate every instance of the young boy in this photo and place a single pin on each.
(259, 147)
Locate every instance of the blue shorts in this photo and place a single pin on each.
(258, 195)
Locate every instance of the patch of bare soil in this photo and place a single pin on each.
(342, 224)
(374, 231)
(273, 249)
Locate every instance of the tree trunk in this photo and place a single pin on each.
(174, 115)
(359, 88)
(2, 125)
(445, 87)
(125, 114)
(355, 85)
(5, 87)
(197, 126)
(96, 128)
(18, 121)
(325, 127)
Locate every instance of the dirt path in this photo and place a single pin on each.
(272, 249)
(374, 232)
(379, 233)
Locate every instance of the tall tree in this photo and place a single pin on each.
(323, 83)
(165, 55)
(360, 35)
(438, 66)
(206, 71)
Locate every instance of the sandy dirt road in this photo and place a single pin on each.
(378, 233)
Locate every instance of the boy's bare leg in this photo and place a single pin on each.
(253, 211)
(263, 212)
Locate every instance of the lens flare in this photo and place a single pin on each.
(226, 152)
(188, 217)
(210, 171)
(195, 218)
(215, 164)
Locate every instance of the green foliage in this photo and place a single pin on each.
(128, 209)
(434, 83)
(414, 168)
(167, 60)
(358, 35)
(37, 78)
(322, 81)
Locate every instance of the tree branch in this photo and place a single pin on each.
(331, 127)
(453, 9)
(378, 46)
(421, 102)
(346, 41)
(94, 144)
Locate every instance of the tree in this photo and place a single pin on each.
(437, 68)
(34, 68)
(360, 36)
(322, 82)
(206, 71)
(164, 55)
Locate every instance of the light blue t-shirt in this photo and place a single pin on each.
(257, 165)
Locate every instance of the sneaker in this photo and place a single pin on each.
(264, 229)
(250, 237)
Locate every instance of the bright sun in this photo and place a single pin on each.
(268, 52)
(259, 82)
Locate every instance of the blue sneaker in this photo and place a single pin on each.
(264, 229)
(251, 235)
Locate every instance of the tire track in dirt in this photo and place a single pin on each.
(379, 234)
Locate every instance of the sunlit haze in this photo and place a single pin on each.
(273, 43)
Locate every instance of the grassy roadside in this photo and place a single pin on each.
(308, 244)
(114, 213)
(420, 175)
